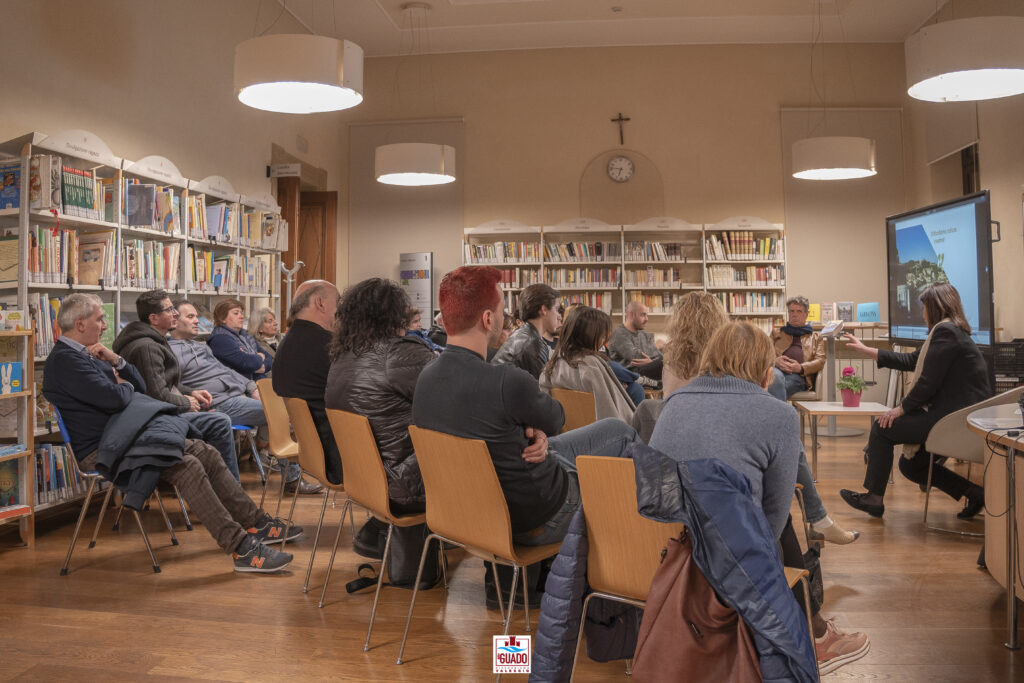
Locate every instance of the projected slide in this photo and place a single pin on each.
(932, 248)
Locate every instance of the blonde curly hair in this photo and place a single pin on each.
(695, 317)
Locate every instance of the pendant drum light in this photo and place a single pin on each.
(298, 74)
(833, 158)
(415, 163)
(980, 58)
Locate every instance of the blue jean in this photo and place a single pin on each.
(628, 378)
(608, 437)
(786, 384)
(215, 429)
(247, 411)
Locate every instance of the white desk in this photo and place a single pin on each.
(815, 409)
(1001, 489)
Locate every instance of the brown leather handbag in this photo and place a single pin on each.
(687, 634)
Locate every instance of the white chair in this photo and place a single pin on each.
(951, 437)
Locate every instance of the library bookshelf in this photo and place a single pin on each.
(88, 220)
(17, 470)
(741, 260)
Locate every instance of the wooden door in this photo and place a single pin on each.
(312, 221)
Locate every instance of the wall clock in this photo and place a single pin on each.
(620, 168)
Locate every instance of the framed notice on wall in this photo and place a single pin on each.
(416, 274)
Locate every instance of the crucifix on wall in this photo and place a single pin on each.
(620, 120)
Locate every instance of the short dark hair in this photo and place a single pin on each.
(220, 312)
(464, 295)
(149, 303)
(534, 297)
(368, 312)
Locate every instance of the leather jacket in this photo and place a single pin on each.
(379, 384)
(525, 349)
(814, 352)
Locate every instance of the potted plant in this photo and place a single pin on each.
(850, 385)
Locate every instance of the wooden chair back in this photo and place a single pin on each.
(311, 451)
(950, 435)
(578, 405)
(278, 424)
(464, 499)
(625, 548)
(366, 482)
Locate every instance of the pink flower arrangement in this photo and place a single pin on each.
(850, 380)
(849, 371)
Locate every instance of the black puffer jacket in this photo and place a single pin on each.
(379, 384)
(148, 350)
(525, 349)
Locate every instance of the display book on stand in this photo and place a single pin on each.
(75, 217)
(741, 260)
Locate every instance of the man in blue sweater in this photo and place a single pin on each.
(89, 384)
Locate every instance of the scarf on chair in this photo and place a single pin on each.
(911, 449)
(793, 331)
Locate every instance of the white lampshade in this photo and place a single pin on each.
(298, 74)
(833, 158)
(981, 58)
(415, 163)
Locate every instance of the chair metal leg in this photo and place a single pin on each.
(99, 520)
(78, 526)
(184, 510)
(167, 520)
(330, 565)
(266, 483)
(927, 496)
(291, 511)
(444, 567)
(316, 538)
(380, 582)
(415, 590)
(284, 478)
(579, 637)
(512, 597)
(497, 589)
(145, 539)
(810, 624)
(526, 601)
(117, 520)
(334, 499)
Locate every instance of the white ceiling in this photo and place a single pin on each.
(382, 28)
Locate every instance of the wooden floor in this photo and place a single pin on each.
(931, 613)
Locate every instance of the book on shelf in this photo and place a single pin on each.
(107, 338)
(56, 477)
(12, 319)
(653, 277)
(868, 312)
(168, 214)
(44, 185)
(9, 258)
(141, 205)
(46, 418)
(96, 257)
(601, 300)
(10, 185)
(10, 493)
(844, 311)
(583, 251)
(583, 277)
(656, 303)
(43, 311)
(10, 381)
(640, 250)
(113, 199)
(828, 311)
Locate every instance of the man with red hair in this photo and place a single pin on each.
(461, 394)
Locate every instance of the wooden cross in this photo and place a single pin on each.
(620, 121)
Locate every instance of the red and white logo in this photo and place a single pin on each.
(511, 655)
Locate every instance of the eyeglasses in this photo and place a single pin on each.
(168, 309)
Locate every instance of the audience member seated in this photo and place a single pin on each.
(949, 374)
(374, 369)
(436, 332)
(799, 352)
(578, 363)
(526, 347)
(507, 327)
(143, 343)
(265, 330)
(695, 318)
(302, 362)
(232, 394)
(634, 348)
(234, 346)
(725, 413)
(134, 440)
(414, 330)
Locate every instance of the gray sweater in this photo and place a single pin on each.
(200, 369)
(740, 424)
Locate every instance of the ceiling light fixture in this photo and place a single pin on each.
(980, 58)
(298, 74)
(415, 163)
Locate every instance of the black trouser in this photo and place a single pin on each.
(332, 459)
(793, 557)
(652, 369)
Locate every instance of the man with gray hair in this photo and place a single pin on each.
(148, 441)
(799, 351)
(302, 361)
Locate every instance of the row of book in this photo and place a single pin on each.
(751, 276)
(601, 300)
(766, 325)
(582, 277)
(214, 271)
(517, 278)
(742, 245)
(656, 303)
(151, 264)
(502, 252)
(57, 479)
(583, 251)
(655, 251)
(654, 277)
(753, 302)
